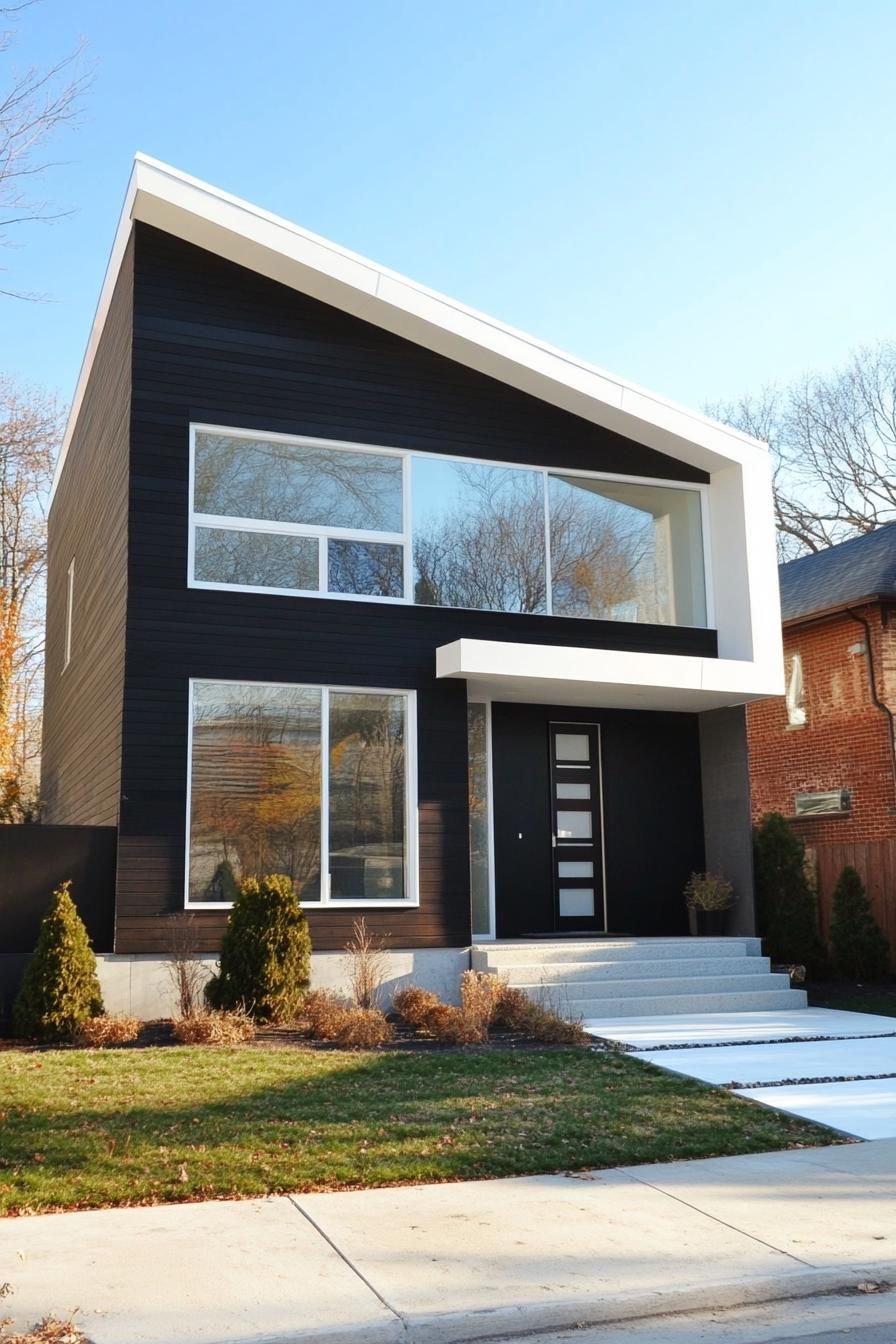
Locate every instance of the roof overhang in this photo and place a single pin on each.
(232, 228)
(603, 678)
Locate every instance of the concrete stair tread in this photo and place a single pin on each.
(628, 970)
(637, 988)
(670, 1005)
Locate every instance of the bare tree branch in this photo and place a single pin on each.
(833, 442)
(34, 107)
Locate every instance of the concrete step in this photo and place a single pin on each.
(573, 991)
(536, 973)
(775, 1000)
(494, 955)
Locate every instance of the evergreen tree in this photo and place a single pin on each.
(59, 989)
(860, 948)
(265, 952)
(786, 906)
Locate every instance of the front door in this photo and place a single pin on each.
(576, 827)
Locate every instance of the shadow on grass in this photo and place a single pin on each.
(91, 1129)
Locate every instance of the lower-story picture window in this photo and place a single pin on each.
(314, 782)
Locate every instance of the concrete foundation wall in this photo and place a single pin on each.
(727, 828)
(142, 986)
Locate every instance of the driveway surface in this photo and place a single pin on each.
(841, 1071)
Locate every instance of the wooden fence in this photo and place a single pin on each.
(875, 862)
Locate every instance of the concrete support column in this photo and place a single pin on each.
(727, 827)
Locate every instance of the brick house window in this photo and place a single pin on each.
(795, 696)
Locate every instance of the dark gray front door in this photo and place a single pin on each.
(576, 827)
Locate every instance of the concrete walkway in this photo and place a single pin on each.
(835, 1067)
(467, 1261)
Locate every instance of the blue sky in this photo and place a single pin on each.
(699, 196)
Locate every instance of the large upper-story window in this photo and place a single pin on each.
(314, 782)
(274, 513)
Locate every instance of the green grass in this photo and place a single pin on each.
(86, 1129)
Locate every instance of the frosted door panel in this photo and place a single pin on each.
(576, 901)
(572, 747)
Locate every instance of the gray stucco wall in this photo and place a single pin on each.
(726, 808)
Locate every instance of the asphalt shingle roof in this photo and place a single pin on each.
(862, 567)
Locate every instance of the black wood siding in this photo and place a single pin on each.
(81, 759)
(216, 343)
(653, 819)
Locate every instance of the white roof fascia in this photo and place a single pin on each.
(202, 214)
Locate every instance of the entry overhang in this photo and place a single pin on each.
(602, 678)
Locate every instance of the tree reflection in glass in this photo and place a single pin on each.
(479, 536)
(256, 559)
(367, 802)
(297, 483)
(255, 784)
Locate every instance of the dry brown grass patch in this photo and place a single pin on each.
(480, 995)
(426, 1012)
(49, 1331)
(234, 1027)
(108, 1029)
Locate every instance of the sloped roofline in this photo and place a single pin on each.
(199, 213)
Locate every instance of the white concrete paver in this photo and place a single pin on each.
(856, 1100)
(781, 1061)
(865, 1108)
(694, 1028)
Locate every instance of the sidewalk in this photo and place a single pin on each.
(463, 1262)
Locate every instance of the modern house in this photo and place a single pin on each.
(824, 754)
(350, 582)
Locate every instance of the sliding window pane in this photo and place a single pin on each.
(626, 552)
(256, 559)
(479, 536)
(297, 483)
(369, 568)
(255, 787)
(367, 796)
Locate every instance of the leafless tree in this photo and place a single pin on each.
(833, 440)
(35, 103)
(30, 431)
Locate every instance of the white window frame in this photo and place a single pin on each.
(69, 612)
(412, 899)
(405, 537)
(795, 696)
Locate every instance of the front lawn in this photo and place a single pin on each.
(84, 1129)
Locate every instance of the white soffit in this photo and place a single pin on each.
(202, 214)
(601, 678)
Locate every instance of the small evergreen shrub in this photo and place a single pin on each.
(234, 1027)
(785, 900)
(861, 950)
(265, 952)
(59, 989)
(108, 1029)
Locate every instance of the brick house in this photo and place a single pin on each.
(824, 754)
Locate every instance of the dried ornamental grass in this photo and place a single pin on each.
(367, 961)
(233, 1027)
(49, 1331)
(480, 994)
(515, 1012)
(109, 1029)
(426, 1012)
(329, 1018)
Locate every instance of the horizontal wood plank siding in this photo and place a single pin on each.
(88, 523)
(215, 343)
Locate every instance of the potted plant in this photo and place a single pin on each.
(708, 896)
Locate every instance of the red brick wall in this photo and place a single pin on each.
(845, 740)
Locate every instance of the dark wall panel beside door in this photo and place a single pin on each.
(653, 818)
